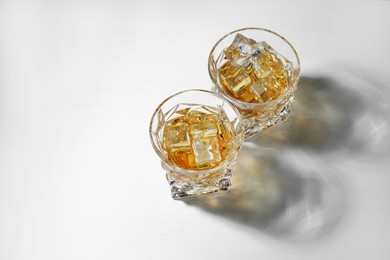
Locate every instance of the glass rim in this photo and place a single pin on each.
(262, 104)
(170, 164)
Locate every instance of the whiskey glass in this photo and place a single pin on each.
(257, 70)
(197, 134)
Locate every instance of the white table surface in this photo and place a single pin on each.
(79, 81)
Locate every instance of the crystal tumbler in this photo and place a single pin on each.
(197, 134)
(258, 71)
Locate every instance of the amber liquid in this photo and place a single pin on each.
(197, 137)
(259, 79)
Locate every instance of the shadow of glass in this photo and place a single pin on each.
(297, 204)
(331, 117)
(285, 184)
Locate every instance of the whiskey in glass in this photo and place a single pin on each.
(197, 135)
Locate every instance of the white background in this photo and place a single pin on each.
(79, 81)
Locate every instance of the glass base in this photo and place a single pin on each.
(255, 124)
(183, 185)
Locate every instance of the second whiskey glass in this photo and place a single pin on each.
(261, 95)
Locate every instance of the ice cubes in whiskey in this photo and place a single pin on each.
(196, 137)
(253, 71)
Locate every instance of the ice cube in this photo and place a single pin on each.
(262, 69)
(242, 52)
(235, 79)
(206, 151)
(246, 45)
(272, 58)
(203, 130)
(258, 90)
(273, 71)
(176, 135)
(263, 46)
(201, 114)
